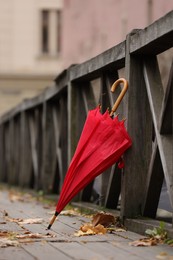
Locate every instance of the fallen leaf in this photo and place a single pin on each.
(144, 242)
(25, 221)
(4, 233)
(31, 221)
(89, 229)
(19, 196)
(15, 220)
(5, 242)
(164, 256)
(7, 234)
(105, 219)
(112, 229)
(71, 212)
(35, 235)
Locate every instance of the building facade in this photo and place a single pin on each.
(30, 48)
(92, 26)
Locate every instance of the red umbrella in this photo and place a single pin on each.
(102, 143)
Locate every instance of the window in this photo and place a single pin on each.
(58, 31)
(51, 32)
(45, 31)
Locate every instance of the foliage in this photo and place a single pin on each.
(158, 232)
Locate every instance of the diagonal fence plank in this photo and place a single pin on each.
(165, 142)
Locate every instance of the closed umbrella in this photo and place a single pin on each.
(102, 143)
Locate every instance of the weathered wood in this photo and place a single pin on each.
(111, 59)
(65, 245)
(58, 177)
(71, 112)
(140, 129)
(154, 39)
(11, 253)
(1, 153)
(7, 151)
(25, 168)
(166, 119)
(165, 142)
(154, 184)
(113, 188)
(10, 143)
(49, 149)
(33, 134)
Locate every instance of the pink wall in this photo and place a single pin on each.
(92, 26)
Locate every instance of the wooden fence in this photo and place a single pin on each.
(38, 137)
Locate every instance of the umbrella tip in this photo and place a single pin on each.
(49, 227)
(52, 220)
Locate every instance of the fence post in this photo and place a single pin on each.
(140, 129)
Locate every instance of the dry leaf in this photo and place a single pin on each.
(70, 212)
(164, 256)
(89, 229)
(16, 220)
(25, 221)
(18, 196)
(5, 242)
(112, 229)
(105, 219)
(144, 242)
(4, 233)
(31, 221)
(35, 235)
(3, 222)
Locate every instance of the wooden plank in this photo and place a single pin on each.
(165, 142)
(16, 148)
(32, 127)
(38, 144)
(79, 251)
(11, 144)
(65, 245)
(155, 38)
(25, 168)
(45, 251)
(139, 126)
(111, 59)
(71, 111)
(166, 119)
(19, 253)
(113, 188)
(2, 153)
(154, 184)
(49, 149)
(63, 132)
(152, 252)
(7, 151)
(59, 176)
(110, 250)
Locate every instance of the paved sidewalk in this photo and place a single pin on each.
(61, 243)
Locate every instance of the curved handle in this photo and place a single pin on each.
(120, 97)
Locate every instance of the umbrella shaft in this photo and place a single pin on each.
(53, 219)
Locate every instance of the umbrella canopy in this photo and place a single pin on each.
(103, 141)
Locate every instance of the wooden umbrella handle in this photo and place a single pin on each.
(120, 97)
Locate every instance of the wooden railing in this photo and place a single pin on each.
(39, 136)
